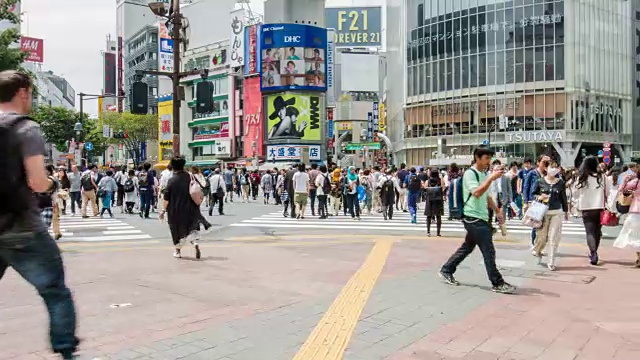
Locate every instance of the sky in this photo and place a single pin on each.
(74, 33)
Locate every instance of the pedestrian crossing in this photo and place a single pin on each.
(77, 229)
(401, 223)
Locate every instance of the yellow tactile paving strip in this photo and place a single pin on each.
(331, 336)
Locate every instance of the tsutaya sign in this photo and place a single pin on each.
(534, 136)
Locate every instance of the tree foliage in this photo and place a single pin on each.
(138, 128)
(11, 56)
(57, 124)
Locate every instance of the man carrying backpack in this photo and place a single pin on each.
(217, 185)
(146, 186)
(387, 194)
(476, 205)
(89, 188)
(323, 187)
(25, 244)
(414, 189)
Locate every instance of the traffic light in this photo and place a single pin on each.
(120, 135)
(139, 98)
(204, 97)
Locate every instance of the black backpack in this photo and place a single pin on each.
(85, 181)
(14, 179)
(326, 185)
(414, 183)
(388, 187)
(128, 186)
(143, 179)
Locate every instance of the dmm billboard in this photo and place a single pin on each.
(295, 116)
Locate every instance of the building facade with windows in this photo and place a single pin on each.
(141, 53)
(208, 137)
(526, 77)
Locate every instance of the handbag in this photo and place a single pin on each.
(537, 211)
(534, 216)
(101, 193)
(195, 190)
(607, 218)
(624, 200)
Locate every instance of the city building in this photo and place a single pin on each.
(54, 90)
(141, 53)
(526, 77)
(208, 137)
(131, 17)
(205, 139)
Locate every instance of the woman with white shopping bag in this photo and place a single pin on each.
(590, 192)
(551, 191)
(629, 236)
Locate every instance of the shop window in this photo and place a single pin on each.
(559, 62)
(549, 63)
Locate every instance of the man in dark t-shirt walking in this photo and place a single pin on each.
(25, 244)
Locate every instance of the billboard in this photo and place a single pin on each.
(251, 49)
(165, 48)
(120, 74)
(292, 152)
(355, 26)
(360, 72)
(165, 118)
(68, 93)
(165, 128)
(110, 73)
(331, 50)
(293, 57)
(236, 47)
(252, 116)
(294, 116)
(33, 46)
(213, 131)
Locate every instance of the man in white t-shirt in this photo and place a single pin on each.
(301, 189)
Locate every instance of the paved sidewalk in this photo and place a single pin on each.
(262, 298)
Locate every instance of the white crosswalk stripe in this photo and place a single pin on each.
(375, 222)
(77, 229)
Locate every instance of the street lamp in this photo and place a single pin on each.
(77, 128)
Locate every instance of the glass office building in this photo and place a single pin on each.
(525, 76)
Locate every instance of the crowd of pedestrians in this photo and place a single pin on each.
(481, 197)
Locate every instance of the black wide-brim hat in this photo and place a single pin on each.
(278, 104)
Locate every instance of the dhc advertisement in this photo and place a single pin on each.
(293, 57)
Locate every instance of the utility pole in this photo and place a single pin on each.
(177, 27)
(174, 16)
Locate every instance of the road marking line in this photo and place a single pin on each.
(332, 334)
(70, 243)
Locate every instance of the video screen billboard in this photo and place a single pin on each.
(293, 57)
(294, 116)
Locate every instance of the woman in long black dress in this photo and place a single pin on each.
(183, 215)
(434, 207)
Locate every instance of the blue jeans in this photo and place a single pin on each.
(413, 203)
(518, 200)
(353, 205)
(479, 233)
(146, 199)
(37, 259)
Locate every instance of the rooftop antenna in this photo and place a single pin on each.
(251, 18)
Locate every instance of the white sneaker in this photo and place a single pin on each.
(176, 254)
